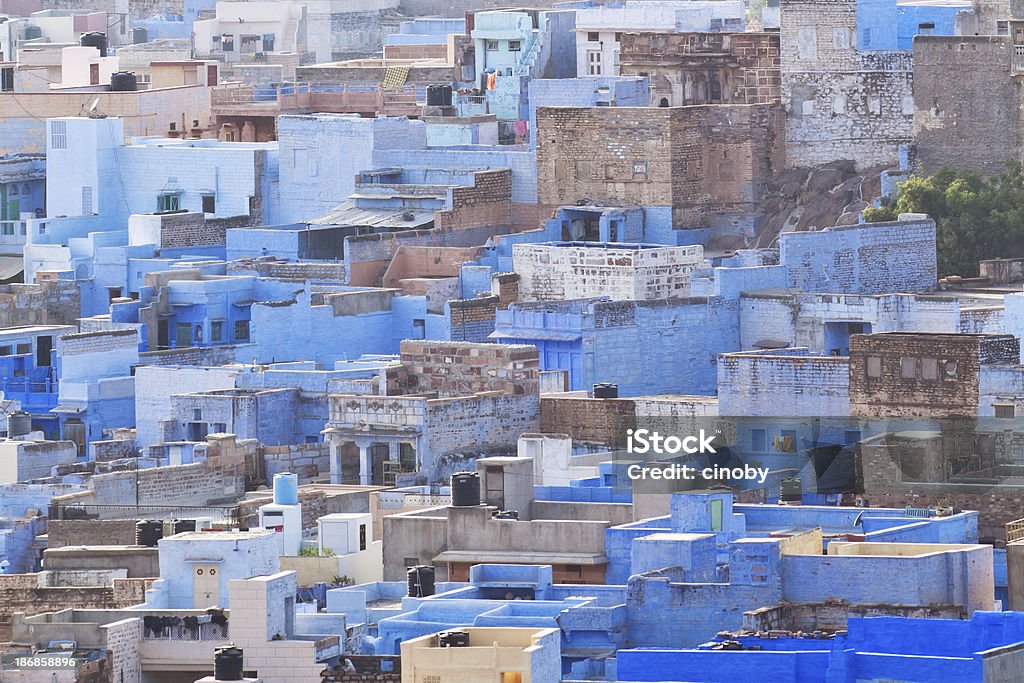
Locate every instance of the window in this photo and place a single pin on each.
(609, 171)
(950, 369)
(1002, 28)
(216, 330)
(785, 442)
(362, 537)
(873, 367)
(419, 328)
(865, 41)
(594, 62)
(618, 37)
(113, 293)
(926, 28)
(593, 36)
(219, 427)
(25, 348)
(908, 368)
(87, 201)
(209, 203)
(929, 369)
(515, 45)
(1003, 410)
(491, 45)
(227, 42)
(758, 440)
(169, 201)
(242, 330)
(7, 79)
(197, 414)
(268, 42)
(59, 134)
(5, 350)
(411, 562)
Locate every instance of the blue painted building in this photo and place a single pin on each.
(886, 25)
(646, 347)
(874, 648)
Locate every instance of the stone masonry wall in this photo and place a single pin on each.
(487, 204)
(841, 103)
(919, 375)
(700, 161)
(872, 258)
(681, 67)
(52, 302)
(461, 369)
(966, 123)
(472, 320)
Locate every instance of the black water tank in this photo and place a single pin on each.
(453, 639)
(435, 96)
(97, 40)
(606, 390)
(227, 663)
(124, 81)
(791, 490)
(446, 95)
(148, 532)
(465, 489)
(179, 526)
(140, 34)
(421, 581)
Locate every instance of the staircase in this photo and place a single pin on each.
(529, 58)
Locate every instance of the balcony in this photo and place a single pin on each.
(1018, 58)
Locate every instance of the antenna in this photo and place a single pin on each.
(93, 110)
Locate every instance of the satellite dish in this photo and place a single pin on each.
(94, 105)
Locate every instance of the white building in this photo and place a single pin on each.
(241, 31)
(599, 29)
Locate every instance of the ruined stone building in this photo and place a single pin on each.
(704, 68)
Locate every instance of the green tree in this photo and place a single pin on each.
(976, 218)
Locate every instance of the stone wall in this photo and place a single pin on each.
(488, 203)
(700, 161)
(692, 68)
(204, 356)
(52, 302)
(472, 320)
(460, 369)
(21, 593)
(966, 123)
(308, 460)
(871, 258)
(841, 102)
(589, 420)
(922, 375)
(65, 532)
(580, 271)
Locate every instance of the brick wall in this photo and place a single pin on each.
(488, 203)
(460, 369)
(841, 103)
(308, 460)
(966, 123)
(290, 271)
(681, 67)
(53, 302)
(772, 384)
(472, 320)
(701, 161)
(922, 375)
